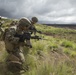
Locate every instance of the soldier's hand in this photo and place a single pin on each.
(39, 32)
(30, 46)
(16, 39)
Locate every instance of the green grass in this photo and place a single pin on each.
(67, 44)
(56, 55)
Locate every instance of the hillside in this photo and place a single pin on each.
(55, 54)
(71, 26)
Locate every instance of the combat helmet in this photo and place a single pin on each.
(34, 19)
(24, 22)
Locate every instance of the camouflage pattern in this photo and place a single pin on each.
(1, 31)
(34, 19)
(24, 22)
(14, 48)
(12, 45)
(32, 28)
(13, 23)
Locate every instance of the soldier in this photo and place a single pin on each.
(32, 27)
(0, 24)
(1, 30)
(13, 23)
(14, 38)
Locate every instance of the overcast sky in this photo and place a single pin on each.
(55, 11)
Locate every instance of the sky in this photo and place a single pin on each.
(51, 11)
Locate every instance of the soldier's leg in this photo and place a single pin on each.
(28, 42)
(21, 56)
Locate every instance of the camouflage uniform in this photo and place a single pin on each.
(13, 46)
(1, 31)
(13, 23)
(13, 43)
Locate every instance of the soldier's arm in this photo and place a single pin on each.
(1, 34)
(9, 36)
(34, 30)
(27, 37)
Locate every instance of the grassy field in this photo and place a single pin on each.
(56, 55)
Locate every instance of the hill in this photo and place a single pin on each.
(71, 26)
(55, 54)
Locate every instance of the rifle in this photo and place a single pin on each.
(38, 38)
(22, 37)
(39, 31)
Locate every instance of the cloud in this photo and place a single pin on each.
(45, 10)
(4, 14)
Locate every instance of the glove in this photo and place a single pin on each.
(30, 46)
(39, 32)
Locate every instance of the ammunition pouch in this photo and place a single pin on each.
(14, 66)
